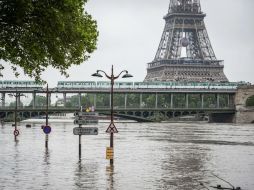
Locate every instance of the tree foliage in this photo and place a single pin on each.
(40, 101)
(250, 101)
(36, 34)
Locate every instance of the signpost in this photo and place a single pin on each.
(85, 118)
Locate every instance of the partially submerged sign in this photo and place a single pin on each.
(109, 153)
(85, 131)
(46, 129)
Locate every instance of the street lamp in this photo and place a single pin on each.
(16, 131)
(112, 128)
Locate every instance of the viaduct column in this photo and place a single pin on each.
(64, 99)
(79, 100)
(218, 101)
(49, 100)
(156, 100)
(202, 101)
(94, 100)
(125, 100)
(140, 98)
(187, 100)
(3, 99)
(110, 100)
(18, 101)
(171, 100)
(228, 101)
(34, 100)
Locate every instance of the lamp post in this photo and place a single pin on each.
(112, 128)
(16, 131)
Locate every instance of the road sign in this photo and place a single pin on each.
(85, 122)
(85, 131)
(46, 129)
(111, 128)
(16, 132)
(109, 153)
(85, 114)
(85, 118)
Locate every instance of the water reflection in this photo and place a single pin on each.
(148, 156)
(110, 177)
(46, 169)
(86, 176)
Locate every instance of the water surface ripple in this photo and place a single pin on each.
(147, 156)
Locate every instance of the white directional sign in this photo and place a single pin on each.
(85, 122)
(83, 114)
(86, 118)
(85, 131)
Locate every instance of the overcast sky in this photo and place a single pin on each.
(130, 32)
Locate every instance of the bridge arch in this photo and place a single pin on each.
(250, 101)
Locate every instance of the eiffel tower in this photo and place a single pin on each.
(185, 52)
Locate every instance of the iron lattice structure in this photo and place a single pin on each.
(185, 52)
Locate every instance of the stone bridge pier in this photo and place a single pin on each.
(244, 104)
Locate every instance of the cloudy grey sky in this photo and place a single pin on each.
(130, 31)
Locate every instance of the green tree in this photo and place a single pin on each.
(87, 100)
(13, 104)
(36, 34)
(250, 101)
(40, 101)
(133, 100)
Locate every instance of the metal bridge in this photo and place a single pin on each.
(137, 104)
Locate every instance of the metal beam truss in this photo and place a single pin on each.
(137, 104)
(185, 43)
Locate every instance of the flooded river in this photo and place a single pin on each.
(147, 156)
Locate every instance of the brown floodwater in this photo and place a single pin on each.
(174, 156)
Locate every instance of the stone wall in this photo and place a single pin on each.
(244, 114)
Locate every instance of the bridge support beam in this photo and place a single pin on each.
(3, 99)
(228, 97)
(34, 100)
(18, 102)
(49, 99)
(79, 100)
(110, 103)
(156, 100)
(217, 100)
(64, 99)
(141, 101)
(202, 101)
(125, 101)
(186, 100)
(171, 101)
(94, 100)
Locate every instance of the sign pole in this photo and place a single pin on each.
(84, 118)
(47, 99)
(79, 147)
(15, 115)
